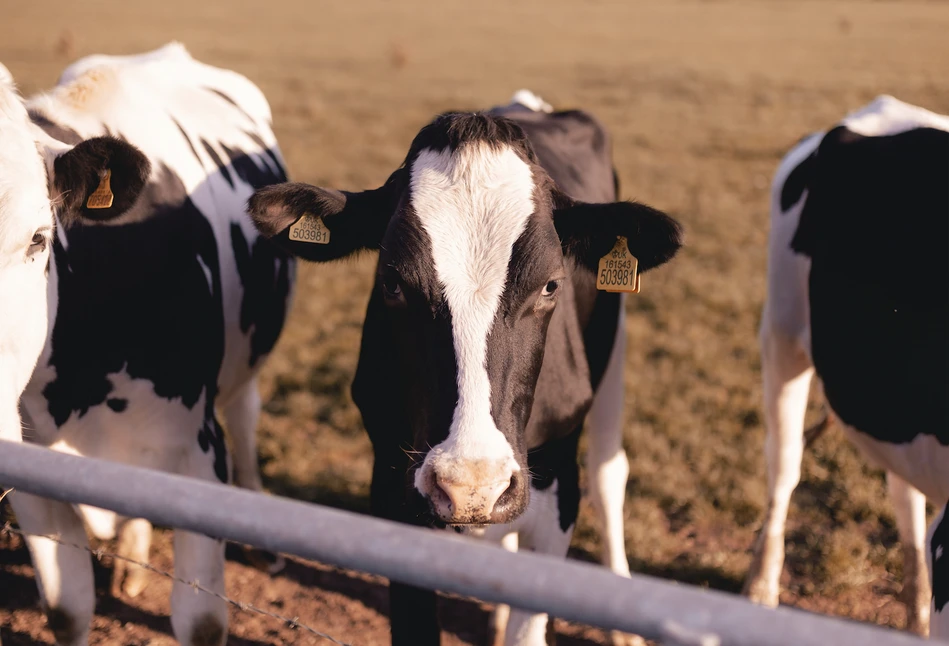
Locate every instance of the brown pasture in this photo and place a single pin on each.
(702, 99)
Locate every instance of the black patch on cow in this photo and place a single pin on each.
(136, 298)
(875, 226)
(225, 173)
(187, 139)
(939, 552)
(56, 131)
(796, 182)
(211, 436)
(556, 461)
(234, 103)
(254, 171)
(265, 274)
(452, 130)
(257, 139)
(117, 404)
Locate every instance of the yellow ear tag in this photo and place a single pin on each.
(618, 270)
(310, 229)
(102, 197)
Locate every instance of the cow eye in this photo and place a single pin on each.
(551, 288)
(391, 287)
(37, 245)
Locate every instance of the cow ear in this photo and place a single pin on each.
(110, 171)
(588, 231)
(321, 224)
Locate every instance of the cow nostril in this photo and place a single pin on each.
(508, 496)
(439, 496)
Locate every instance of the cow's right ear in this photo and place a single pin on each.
(321, 224)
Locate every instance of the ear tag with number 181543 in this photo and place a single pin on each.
(618, 270)
(310, 229)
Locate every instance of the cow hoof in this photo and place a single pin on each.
(264, 560)
(136, 580)
(128, 579)
(208, 631)
(761, 594)
(625, 639)
(66, 629)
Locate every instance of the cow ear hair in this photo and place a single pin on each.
(588, 231)
(354, 221)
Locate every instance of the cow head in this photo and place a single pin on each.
(477, 246)
(40, 176)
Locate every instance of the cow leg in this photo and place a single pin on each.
(198, 618)
(787, 375)
(241, 414)
(413, 616)
(63, 574)
(909, 505)
(607, 464)
(135, 541)
(497, 627)
(542, 533)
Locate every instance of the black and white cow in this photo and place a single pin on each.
(858, 289)
(486, 343)
(161, 307)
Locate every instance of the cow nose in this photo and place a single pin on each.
(471, 493)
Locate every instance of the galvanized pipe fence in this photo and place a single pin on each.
(653, 608)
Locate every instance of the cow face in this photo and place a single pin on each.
(37, 176)
(477, 248)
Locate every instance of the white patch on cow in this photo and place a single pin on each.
(473, 203)
(921, 463)
(886, 115)
(207, 272)
(538, 530)
(531, 101)
(24, 209)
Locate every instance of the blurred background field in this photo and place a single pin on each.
(702, 100)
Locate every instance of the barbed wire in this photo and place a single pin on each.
(292, 623)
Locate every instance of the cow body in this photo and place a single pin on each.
(160, 318)
(858, 289)
(486, 343)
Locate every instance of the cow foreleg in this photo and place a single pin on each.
(607, 464)
(497, 626)
(63, 573)
(542, 532)
(135, 540)
(413, 616)
(909, 506)
(241, 414)
(198, 618)
(787, 373)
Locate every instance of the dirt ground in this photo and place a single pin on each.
(702, 99)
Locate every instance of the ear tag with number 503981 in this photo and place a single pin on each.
(618, 270)
(310, 228)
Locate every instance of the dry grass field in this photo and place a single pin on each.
(702, 99)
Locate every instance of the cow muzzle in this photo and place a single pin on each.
(473, 491)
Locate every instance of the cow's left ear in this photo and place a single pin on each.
(110, 171)
(588, 231)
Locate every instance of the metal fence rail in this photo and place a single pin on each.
(576, 591)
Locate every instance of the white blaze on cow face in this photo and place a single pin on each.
(26, 221)
(474, 203)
